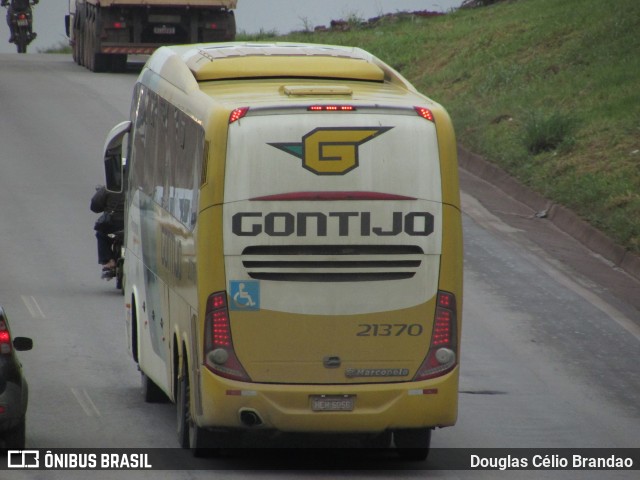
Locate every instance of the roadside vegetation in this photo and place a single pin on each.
(61, 47)
(547, 89)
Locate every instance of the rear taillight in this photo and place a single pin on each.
(5, 338)
(119, 25)
(443, 351)
(425, 113)
(331, 108)
(219, 355)
(237, 114)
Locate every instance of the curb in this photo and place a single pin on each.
(560, 216)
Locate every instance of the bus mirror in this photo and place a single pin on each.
(114, 158)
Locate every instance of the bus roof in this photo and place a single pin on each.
(185, 66)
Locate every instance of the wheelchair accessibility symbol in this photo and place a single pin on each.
(245, 295)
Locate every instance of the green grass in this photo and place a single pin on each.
(547, 89)
(61, 47)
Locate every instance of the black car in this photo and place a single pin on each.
(13, 387)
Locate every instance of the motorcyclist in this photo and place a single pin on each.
(18, 6)
(111, 205)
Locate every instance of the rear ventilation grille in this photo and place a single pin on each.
(332, 263)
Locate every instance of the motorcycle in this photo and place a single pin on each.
(21, 25)
(117, 247)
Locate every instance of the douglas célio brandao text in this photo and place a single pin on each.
(551, 461)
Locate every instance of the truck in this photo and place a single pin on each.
(102, 33)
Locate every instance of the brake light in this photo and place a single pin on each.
(119, 25)
(5, 338)
(425, 113)
(443, 351)
(331, 108)
(237, 114)
(220, 357)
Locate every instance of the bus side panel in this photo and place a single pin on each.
(154, 321)
(452, 264)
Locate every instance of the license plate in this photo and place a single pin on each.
(332, 403)
(23, 23)
(164, 30)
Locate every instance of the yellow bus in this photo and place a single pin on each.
(293, 256)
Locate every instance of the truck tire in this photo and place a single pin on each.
(93, 59)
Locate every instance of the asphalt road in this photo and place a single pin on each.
(549, 355)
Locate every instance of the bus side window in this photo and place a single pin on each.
(137, 155)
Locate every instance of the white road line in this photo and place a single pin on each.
(85, 402)
(33, 307)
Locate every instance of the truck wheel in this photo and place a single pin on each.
(80, 47)
(86, 49)
(96, 62)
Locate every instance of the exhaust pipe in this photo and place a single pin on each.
(250, 418)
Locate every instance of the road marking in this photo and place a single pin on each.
(32, 306)
(85, 402)
(472, 207)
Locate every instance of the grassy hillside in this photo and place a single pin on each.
(547, 89)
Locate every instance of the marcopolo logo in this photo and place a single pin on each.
(331, 151)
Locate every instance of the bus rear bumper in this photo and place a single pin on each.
(288, 408)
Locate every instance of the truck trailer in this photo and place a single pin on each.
(103, 32)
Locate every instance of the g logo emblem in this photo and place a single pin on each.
(331, 151)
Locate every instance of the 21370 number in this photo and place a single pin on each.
(389, 329)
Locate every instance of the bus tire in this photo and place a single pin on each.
(189, 434)
(134, 331)
(413, 444)
(182, 408)
(381, 441)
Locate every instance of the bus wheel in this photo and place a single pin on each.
(189, 434)
(380, 441)
(183, 409)
(413, 444)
